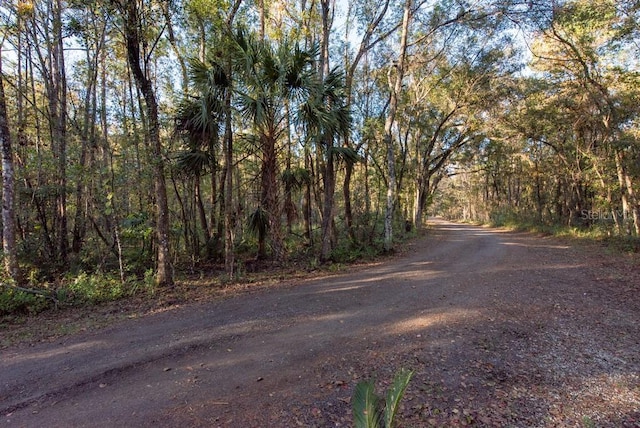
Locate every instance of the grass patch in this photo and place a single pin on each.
(593, 233)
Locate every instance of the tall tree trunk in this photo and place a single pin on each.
(229, 251)
(346, 192)
(132, 33)
(365, 47)
(395, 88)
(62, 133)
(329, 168)
(269, 198)
(229, 237)
(262, 13)
(419, 203)
(8, 189)
(53, 67)
(630, 204)
(307, 199)
(202, 216)
(88, 142)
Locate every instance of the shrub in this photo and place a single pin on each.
(14, 301)
(95, 288)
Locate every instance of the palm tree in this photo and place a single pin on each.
(198, 121)
(327, 117)
(270, 79)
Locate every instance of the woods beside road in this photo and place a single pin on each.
(140, 139)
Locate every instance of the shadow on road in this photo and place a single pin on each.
(501, 329)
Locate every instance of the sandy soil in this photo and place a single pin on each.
(501, 329)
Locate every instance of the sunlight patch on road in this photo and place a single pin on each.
(553, 247)
(420, 323)
(54, 352)
(339, 316)
(337, 289)
(422, 263)
(531, 270)
(413, 271)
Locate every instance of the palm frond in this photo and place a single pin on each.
(344, 120)
(198, 120)
(346, 154)
(250, 140)
(209, 76)
(395, 394)
(366, 409)
(259, 222)
(296, 178)
(193, 162)
(271, 68)
(297, 70)
(334, 85)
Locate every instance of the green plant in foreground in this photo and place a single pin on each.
(368, 410)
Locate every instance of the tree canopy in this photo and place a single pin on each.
(141, 137)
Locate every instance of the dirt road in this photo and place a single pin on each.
(500, 328)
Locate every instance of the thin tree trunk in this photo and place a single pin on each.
(329, 168)
(219, 234)
(419, 203)
(132, 32)
(629, 199)
(270, 193)
(87, 137)
(327, 214)
(346, 192)
(202, 214)
(365, 47)
(53, 70)
(262, 12)
(388, 128)
(307, 200)
(229, 252)
(183, 213)
(174, 46)
(8, 189)
(229, 237)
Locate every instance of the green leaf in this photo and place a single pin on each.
(259, 222)
(366, 412)
(394, 395)
(193, 162)
(347, 154)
